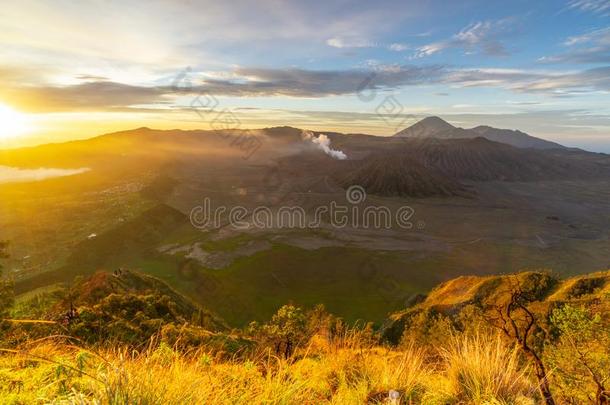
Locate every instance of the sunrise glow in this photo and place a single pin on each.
(13, 123)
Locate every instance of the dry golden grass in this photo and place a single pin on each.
(471, 370)
(482, 369)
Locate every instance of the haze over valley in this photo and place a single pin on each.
(480, 206)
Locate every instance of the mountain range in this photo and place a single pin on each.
(480, 207)
(435, 127)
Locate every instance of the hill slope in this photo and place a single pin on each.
(130, 306)
(480, 159)
(514, 138)
(91, 290)
(456, 296)
(399, 175)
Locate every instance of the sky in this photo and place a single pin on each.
(71, 70)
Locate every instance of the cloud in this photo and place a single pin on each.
(398, 47)
(318, 83)
(591, 47)
(338, 42)
(601, 35)
(601, 7)
(92, 78)
(292, 82)
(481, 37)
(107, 95)
(523, 81)
(431, 49)
(491, 77)
(168, 34)
(91, 96)
(351, 117)
(524, 102)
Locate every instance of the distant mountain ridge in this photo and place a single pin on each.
(429, 166)
(435, 127)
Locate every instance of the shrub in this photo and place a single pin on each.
(581, 355)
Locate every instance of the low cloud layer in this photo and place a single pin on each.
(264, 82)
(16, 175)
(86, 96)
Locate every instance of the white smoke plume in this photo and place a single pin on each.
(322, 142)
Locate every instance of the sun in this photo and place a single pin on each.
(12, 123)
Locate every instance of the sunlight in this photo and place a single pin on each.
(12, 123)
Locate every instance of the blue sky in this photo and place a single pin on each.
(79, 69)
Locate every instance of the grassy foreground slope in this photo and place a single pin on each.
(344, 373)
(133, 339)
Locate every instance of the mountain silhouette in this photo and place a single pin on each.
(435, 127)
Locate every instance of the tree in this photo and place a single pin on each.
(520, 325)
(6, 287)
(581, 354)
(286, 330)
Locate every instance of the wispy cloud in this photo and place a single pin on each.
(481, 37)
(524, 81)
(339, 42)
(590, 47)
(398, 47)
(601, 7)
